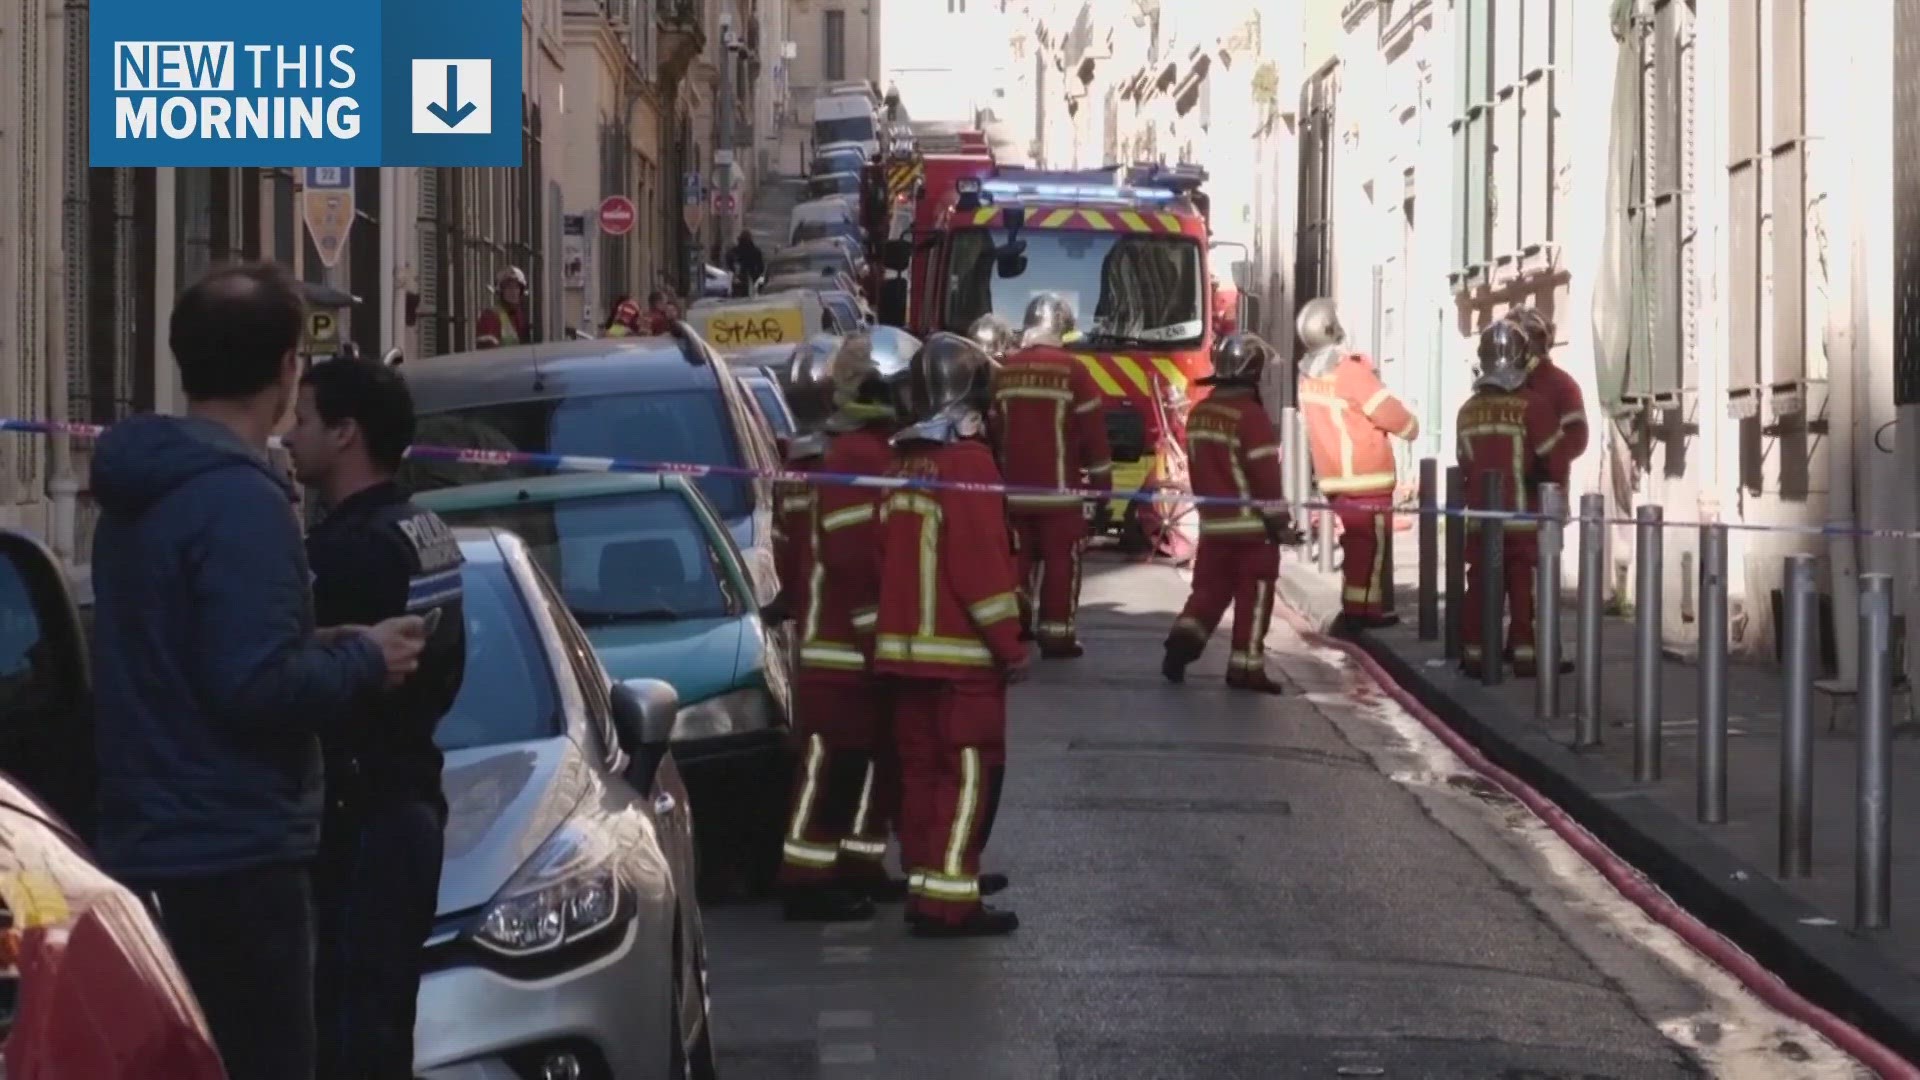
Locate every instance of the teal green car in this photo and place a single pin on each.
(649, 569)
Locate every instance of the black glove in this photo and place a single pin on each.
(1280, 530)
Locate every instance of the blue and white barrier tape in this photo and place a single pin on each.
(586, 463)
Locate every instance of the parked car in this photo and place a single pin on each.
(832, 184)
(837, 158)
(647, 567)
(849, 305)
(777, 316)
(822, 218)
(836, 254)
(764, 385)
(568, 941)
(666, 398)
(88, 986)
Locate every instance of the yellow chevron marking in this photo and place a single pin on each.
(1135, 221)
(1054, 219)
(1170, 371)
(1169, 222)
(1131, 368)
(1101, 376)
(985, 215)
(1096, 219)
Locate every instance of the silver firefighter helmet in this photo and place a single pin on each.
(1049, 320)
(950, 385)
(864, 383)
(994, 334)
(809, 381)
(1534, 327)
(1240, 358)
(1318, 325)
(1503, 358)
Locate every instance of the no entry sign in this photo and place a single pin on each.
(617, 215)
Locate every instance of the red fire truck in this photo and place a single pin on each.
(1128, 249)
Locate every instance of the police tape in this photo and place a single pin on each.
(582, 463)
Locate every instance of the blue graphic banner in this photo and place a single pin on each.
(358, 83)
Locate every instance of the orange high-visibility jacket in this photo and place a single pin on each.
(1562, 393)
(947, 604)
(793, 538)
(1232, 453)
(844, 597)
(1050, 425)
(1349, 416)
(1514, 434)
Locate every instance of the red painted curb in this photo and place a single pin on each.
(1630, 883)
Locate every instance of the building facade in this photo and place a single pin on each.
(834, 42)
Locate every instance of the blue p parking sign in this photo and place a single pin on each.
(351, 83)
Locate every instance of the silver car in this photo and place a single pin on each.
(568, 942)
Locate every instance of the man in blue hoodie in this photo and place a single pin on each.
(211, 684)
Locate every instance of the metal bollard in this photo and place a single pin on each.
(1429, 591)
(1492, 574)
(1710, 788)
(1593, 584)
(1873, 813)
(1646, 644)
(1546, 687)
(1796, 730)
(1456, 540)
(1324, 533)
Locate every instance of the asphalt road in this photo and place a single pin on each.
(1223, 887)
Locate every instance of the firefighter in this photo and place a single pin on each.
(1049, 423)
(1561, 390)
(1233, 453)
(1349, 417)
(1505, 429)
(793, 502)
(947, 639)
(505, 323)
(625, 320)
(832, 866)
(994, 334)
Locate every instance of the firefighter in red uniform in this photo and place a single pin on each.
(948, 637)
(1350, 417)
(1233, 454)
(1049, 425)
(1504, 429)
(505, 323)
(1561, 390)
(793, 502)
(831, 866)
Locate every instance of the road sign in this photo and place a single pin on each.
(723, 203)
(617, 215)
(326, 203)
(453, 97)
(723, 157)
(693, 203)
(323, 331)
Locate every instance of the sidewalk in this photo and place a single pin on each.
(1725, 874)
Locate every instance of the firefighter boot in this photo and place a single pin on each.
(1183, 648)
(826, 903)
(983, 921)
(1256, 680)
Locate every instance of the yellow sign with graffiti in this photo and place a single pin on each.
(746, 328)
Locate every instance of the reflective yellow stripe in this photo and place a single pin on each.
(833, 656)
(794, 503)
(1170, 371)
(932, 649)
(1101, 376)
(1090, 405)
(1134, 221)
(941, 887)
(864, 618)
(852, 515)
(1132, 370)
(995, 608)
(1263, 452)
(874, 850)
(814, 855)
(860, 811)
(1380, 397)
(1572, 418)
(1096, 219)
(1339, 485)
(963, 816)
(1054, 219)
(1169, 222)
(1246, 524)
(1100, 469)
(809, 787)
(1033, 393)
(984, 215)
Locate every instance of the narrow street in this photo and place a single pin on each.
(1231, 888)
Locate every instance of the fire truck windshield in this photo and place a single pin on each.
(1127, 290)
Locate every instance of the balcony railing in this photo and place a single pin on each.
(682, 14)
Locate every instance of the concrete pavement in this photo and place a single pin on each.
(1222, 886)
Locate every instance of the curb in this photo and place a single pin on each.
(1835, 968)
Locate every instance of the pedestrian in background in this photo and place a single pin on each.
(210, 680)
(376, 556)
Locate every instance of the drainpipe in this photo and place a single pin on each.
(71, 260)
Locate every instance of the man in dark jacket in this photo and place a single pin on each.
(746, 263)
(374, 556)
(210, 681)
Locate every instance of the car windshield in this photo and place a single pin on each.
(636, 557)
(669, 425)
(507, 694)
(844, 129)
(842, 183)
(820, 230)
(838, 161)
(1126, 289)
(768, 397)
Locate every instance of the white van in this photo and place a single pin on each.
(847, 118)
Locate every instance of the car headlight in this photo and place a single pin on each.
(568, 890)
(735, 713)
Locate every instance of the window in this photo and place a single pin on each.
(1766, 176)
(766, 394)
(834, 48)
(1127, 290)
(1505, 127)
(619, 559)
(673, 425)
(1313, 262)
(827, 185)
(1663, 202)
(507, 694)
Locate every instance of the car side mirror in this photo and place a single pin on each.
(1010, 259)
(776, 611)
(897, 255)
(644, 711)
